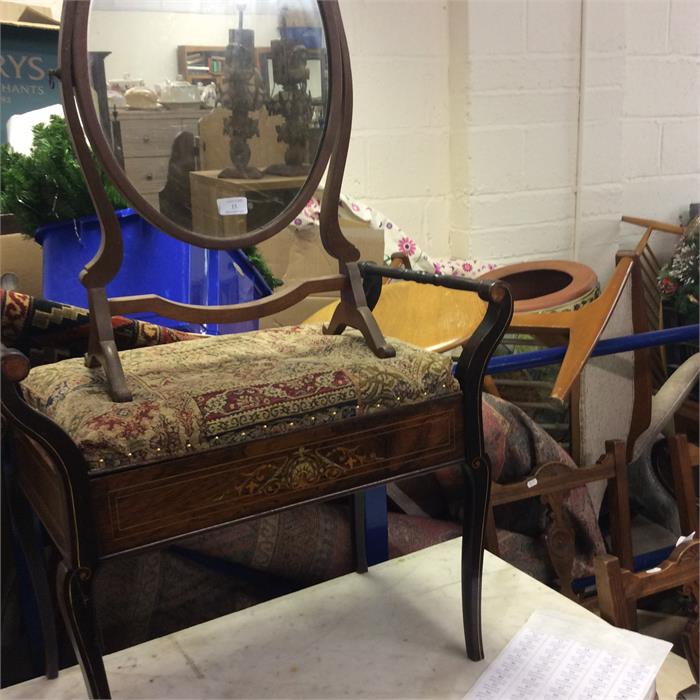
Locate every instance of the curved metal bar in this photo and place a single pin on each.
(76, 16)
(470, 370)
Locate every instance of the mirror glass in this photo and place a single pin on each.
(215, 109)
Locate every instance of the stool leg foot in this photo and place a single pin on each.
(477, 483)
(74, 594)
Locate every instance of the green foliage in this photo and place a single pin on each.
(47, 185)
(262, 267)
(678, 281)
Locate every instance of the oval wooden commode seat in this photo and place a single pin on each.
(550, 285)
(138, 448)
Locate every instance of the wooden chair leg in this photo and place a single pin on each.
(75, 602)
(491, 534)
(477, 483)
(23, 524)
(683, 483)
(614, 606)
(619, 505)
(359, 540)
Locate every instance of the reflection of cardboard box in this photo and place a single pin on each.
(295, 255)
(22, 256)
(30, 15)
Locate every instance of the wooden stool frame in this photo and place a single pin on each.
(92, 516)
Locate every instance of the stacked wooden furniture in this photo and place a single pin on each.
(143, 141)
(136, 449)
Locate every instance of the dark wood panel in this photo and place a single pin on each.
(43, 486)
(137, 507)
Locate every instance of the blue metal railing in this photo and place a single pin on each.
(550, 356)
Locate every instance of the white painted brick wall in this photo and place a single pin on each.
(680, 147)
(661, 122)
(640, 151)
(399, 158)
(522, 127)
(641, 142)
(466, 120)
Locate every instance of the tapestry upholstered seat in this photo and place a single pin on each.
(219, 391)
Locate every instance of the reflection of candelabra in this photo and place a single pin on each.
(242, 92)
(293, 102)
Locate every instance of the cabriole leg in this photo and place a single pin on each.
(74, 592)
(477, 484)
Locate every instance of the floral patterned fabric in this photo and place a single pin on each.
(396, 240)
(190, 397)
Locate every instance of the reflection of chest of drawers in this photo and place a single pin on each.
(143, 142)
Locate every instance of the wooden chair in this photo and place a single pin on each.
(552, 483)
(619, 589)
(658, 397)
(651, 371)
(137, 449)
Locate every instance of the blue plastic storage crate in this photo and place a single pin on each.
(154, 263)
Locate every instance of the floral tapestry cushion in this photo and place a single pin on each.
(190, 397)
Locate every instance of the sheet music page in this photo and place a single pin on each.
(560, 657)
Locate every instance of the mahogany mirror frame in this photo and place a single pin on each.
(75, 77)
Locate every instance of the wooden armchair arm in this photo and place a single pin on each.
(583, 327)
(15, 365)
(478, 346)
(654, 225)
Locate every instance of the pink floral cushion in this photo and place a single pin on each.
(196, 396)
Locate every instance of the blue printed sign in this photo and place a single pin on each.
(27, 54)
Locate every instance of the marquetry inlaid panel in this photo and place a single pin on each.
(146, 504)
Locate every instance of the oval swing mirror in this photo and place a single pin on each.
(210, 115)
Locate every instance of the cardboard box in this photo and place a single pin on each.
(294, 255)
(22, 256)
(27, 15)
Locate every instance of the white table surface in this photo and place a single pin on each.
(395, 632)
